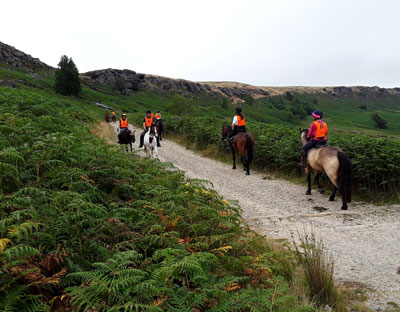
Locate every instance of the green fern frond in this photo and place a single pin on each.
(23, 230)
(20, 252)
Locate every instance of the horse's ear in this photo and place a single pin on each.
(300, 130)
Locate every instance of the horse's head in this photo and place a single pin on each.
(132, 134)
(225, 131)
(152, 133)
(303, 136)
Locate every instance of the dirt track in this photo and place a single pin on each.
(365, 240)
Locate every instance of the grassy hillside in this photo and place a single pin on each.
(85, 227)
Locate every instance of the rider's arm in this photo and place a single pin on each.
(234, 122)
(312, 131)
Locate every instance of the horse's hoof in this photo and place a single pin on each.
(247, 173)
(344, 208)
(321, 191)
(308, 193)
(233, 167)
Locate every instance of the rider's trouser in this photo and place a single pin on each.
(236, 130)
(142, 136)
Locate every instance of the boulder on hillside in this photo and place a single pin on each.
(18, 59)
(6, 83)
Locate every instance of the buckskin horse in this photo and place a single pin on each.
(336, 165)
(242, 142)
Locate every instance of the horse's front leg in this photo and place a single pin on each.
(308, 182)
(234, 158)
(156, 150)
(320, 188)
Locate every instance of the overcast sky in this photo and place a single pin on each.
(265, 42)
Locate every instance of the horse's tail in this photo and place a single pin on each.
(344, 180)
(249, 148)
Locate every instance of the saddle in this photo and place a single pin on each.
(317, 146)
(234, 137)
(124, 131)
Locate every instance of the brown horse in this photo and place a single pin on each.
(160, 129)
(243, 142)
(336, 165)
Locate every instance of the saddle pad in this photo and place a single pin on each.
(316, 147)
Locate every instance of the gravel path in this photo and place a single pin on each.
(365, 240)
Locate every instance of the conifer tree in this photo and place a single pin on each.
(67, 77)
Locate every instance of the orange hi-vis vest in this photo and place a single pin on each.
(322, 129)
(158, 116)
(148, 121)
(123, 123)
(241, 122)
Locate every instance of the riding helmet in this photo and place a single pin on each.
(238, 110)
(317, 113)
(148, 112)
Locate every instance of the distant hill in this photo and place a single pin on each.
(346, 108)
(236, 91)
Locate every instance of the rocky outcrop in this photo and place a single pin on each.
(124, 81)
(128, 81)
(186, 87)
(18, 59)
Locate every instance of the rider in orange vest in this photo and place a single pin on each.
(238, 125)
(148, 121)
(316, 135)
(123, 127)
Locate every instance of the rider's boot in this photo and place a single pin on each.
(141, 140)
(229, 147)
(303, 162)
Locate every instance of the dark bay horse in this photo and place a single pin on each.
(243, 142)
(127, 137)
(336, 165)
(160, 129)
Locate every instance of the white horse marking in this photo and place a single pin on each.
(150, 143)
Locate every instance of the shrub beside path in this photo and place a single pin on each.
(365, 240)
